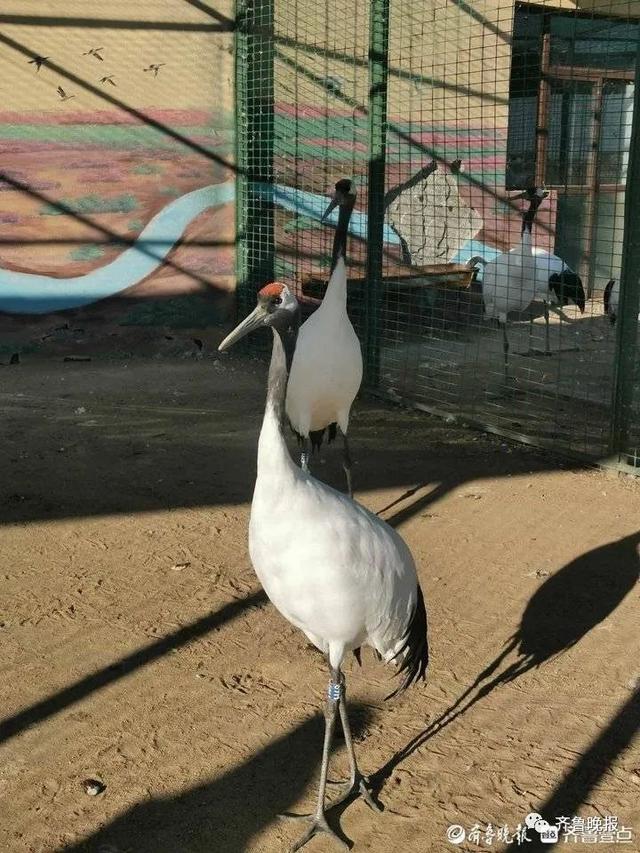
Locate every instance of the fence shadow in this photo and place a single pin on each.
(55, 703)
(226, 813)
(587, 772)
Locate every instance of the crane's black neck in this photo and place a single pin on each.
(535, 199)
(342, 230)
(284, 345)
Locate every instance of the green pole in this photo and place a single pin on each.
(627, 375)
(254, 108)
(378, 88)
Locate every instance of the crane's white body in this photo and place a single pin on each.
(509, 281)
(326, 371)
(332, 568)
(614, 300)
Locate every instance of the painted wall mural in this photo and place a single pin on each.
(116, 139)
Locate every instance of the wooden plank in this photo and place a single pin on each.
(574, 72)
(450, 276)
(394, 269)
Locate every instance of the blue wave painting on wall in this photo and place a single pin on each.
(30, 293)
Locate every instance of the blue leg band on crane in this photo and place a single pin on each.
(334, 691)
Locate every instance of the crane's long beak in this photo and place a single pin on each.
(253, 321)
(332, 204)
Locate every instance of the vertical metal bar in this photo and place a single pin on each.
(240, 52)
(378, 88)
(626, 373)
(255, 106)
(542, 122)
(593, 167)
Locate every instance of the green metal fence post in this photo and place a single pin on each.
(378, 88)
(627, 375)
(254, 98)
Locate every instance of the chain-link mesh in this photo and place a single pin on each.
(455, 119)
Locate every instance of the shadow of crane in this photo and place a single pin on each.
(564, 609)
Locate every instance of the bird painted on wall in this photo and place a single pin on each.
(108, 79)
(332, 568)
(63, 95)
(155, 67)
(95, 52)
(326, 371)
(38, 61)
(509, 281)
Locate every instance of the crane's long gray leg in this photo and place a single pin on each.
(304, 455)
(357, 784)
(505, 350)
(346, 463)
(317, 821)
(547, 347)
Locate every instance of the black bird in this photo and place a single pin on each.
(63, 94)
(155, 67)
(95, 51)
(108, 79)
(567, 287)
(38, 61)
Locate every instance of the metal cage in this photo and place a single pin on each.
(448, 114)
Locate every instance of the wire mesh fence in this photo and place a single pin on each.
(492, 272)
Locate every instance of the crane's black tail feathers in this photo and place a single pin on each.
(607, 300)
(415, 648)
(317, 435)
(568, 287)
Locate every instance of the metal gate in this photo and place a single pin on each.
(448, 114)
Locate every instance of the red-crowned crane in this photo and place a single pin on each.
(556, 284)
(331, 567)
(326, 370)
(509, 281)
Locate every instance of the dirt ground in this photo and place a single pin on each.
(138, 649)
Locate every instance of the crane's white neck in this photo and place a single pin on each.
(526, 242)
(273, 455)
(335, 299)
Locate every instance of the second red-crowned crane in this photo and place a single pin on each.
(326, 370)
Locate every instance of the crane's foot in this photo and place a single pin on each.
(359, 786)
(317, 825)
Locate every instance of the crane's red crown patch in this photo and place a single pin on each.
(272, 289)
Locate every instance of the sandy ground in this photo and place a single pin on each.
(137, 647)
